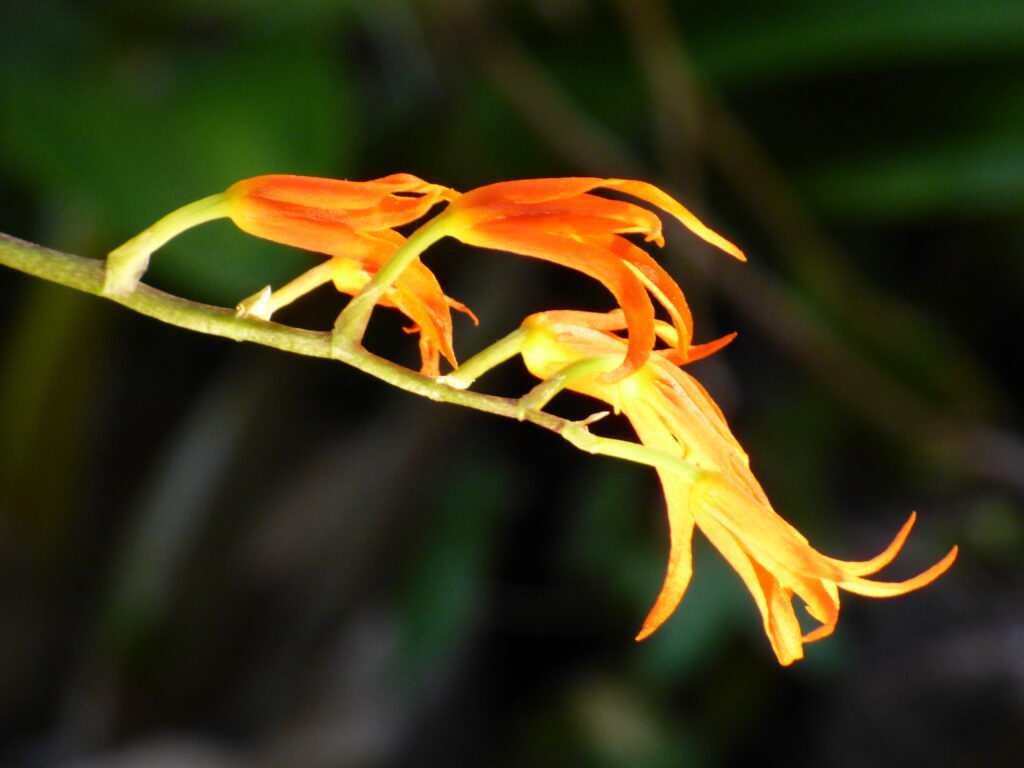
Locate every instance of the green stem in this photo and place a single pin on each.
(543, 393)
(351, 323)
(88, 275)
(265, 303)
(486, 359)
(127, 263)
(585, 440)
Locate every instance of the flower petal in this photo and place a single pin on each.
(680, 560)
(670, 205)
(579, 215)
(870, 588)
(532, 191)
(657, 281)
(876, 563)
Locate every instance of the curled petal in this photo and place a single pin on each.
(871, 588)
(670, 205)
(420, 298)
(658, 282)
(700, 351)
(680, 562)
(879, 561)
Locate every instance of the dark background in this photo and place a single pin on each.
(222, 555)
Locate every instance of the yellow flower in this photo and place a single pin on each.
(673, 414)
(354, 223)
(562, 221)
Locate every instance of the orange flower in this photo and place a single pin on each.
(560, 220)
(674, 415)
(352, 222)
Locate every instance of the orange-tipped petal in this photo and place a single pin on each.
(670, 205)
(657, 281)
(700, 351)
(680, 562)
(870, 588)
(420, 297)
(879, 561)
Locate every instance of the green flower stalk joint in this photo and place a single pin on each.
(682, 433)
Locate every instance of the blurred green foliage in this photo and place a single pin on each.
(130, 130)
(279, 563)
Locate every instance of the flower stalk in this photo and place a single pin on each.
(88, 275)
(126, 264)
(350, 327)
(486, 359)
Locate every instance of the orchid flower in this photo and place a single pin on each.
(352, 222)
(562, 221)
(674, 416)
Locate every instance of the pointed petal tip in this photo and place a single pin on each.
(734, 251)
(646, 631)
(871, 588)
(662, 609)
(930, 575)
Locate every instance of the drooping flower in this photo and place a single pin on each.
(673, 414)
(562, 221)
(354, 223)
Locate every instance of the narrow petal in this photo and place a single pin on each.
(421, 299)
(669, 204)
(865, 567)
(680, 561)
(268, 191)
(392, 211)
(769, 538)
(310, 235)
(700, 351)
(658, 282)
(871, 588)
(780, 623)
(783, 627)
